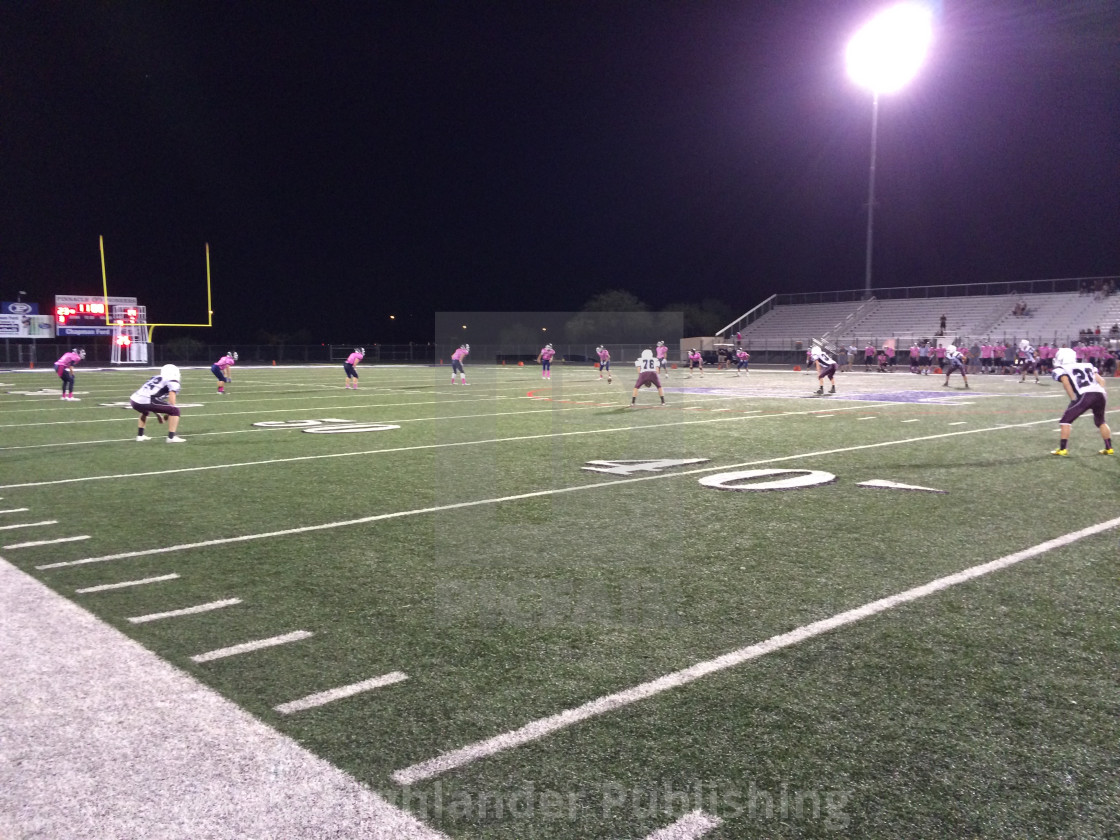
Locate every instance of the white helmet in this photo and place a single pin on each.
(168, 373)
(1024, 344)
(647, 354)
(361, 351)
(467, 347)
(661, 344)
(549, 346)
(1065, 357)
(951, 348)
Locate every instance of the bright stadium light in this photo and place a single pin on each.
(883, 56)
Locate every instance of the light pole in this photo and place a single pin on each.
(883, 56)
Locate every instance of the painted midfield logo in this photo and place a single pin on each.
(326, 426)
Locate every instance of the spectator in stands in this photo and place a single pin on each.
(738, 340)
(1097, 331)
(1114, 329)
(944, 321)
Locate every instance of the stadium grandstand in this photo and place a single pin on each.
(1057, 312)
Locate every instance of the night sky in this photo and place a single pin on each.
(350, 161)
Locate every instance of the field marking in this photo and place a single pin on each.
(391, 450)
(126, 439)
(46, 542)
(332, 694)
(104, 587)
(546, 726)
(199, 608)
(691, 826)
(915, 420)
(15, 510)
(246, 647)
(958, 423)
(28, 525)
(533, 494)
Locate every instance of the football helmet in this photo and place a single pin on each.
(1024, 344)
(548, 346)
(647, 354)
(599, 349)
(81, 353)
(168, 373)
(361, 351)
(661, 344)
(950, 348)
(1065, 357)
(467, 347)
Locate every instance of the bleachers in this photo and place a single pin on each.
(1054, 317)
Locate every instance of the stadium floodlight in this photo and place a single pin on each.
(883, 56)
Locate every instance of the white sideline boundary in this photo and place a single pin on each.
(546, 726)
(101, 739)
(520, 496)
(691, 826)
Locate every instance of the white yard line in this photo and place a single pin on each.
(329, 696)
(418, 447)
(518, 497)
(554, 723)
(46, 542)
(248, 647)
(691, 826)
(124, 584)
(15, 510)
(199, 608)
(28, 525)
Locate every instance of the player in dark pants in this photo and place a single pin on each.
(647, 376)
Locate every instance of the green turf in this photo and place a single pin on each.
(986, 710)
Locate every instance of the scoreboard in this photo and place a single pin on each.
(86, 315)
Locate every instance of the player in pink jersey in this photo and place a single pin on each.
(545, 360)
(604, 362)
(457, 363)
(743, 359)
(64, 367)
(695, 361)
(351, 364)
(221, 368)
(662, 359)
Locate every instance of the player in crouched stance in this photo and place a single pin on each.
(350, 366)
(64, 367)
(221, 368)
(157, 396)
(954, 362)
(1086, 392)
(647, 376)
(826, 368)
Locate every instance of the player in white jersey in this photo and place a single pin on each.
(647, 376)
(1086, 392)
(954, 363)
(1030, 360)
(157, 396)
(826, 368)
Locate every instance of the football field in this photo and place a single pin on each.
(525, 609)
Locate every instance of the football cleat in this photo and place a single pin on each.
(1106, 452)
(1062, 452)
(142, 438)
(177, 439)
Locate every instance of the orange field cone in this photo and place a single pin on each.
(521, 364)
(32, 365)
(797, 367)
(274, 363)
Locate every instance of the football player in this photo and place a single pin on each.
(457, 363)
(221, 368)
(157, 396)
(1086, 392)
(647, 376)
(604, 362)
(954, 363)
(544, 359)
(350, 365)
(64, 367)
(826, 368)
